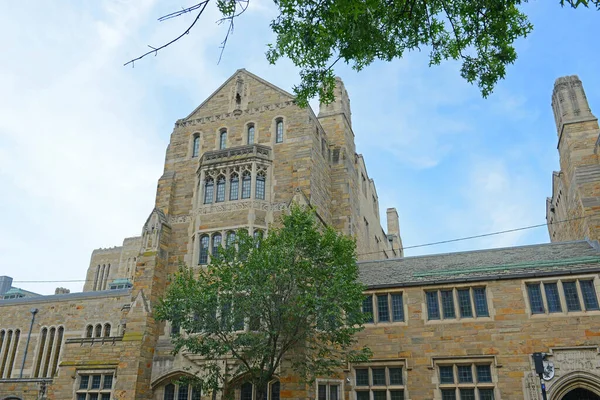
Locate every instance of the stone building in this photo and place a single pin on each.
(449, 326)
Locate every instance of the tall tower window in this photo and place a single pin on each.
(216, 243)
(203, 259)
(250, 134)
(220, 189)
(260, 186)
(234, 187)
(209, 189)
(196, 146)
(246, 185)
(223, 140)
(279, 131)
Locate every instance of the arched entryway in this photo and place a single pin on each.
(581, 394)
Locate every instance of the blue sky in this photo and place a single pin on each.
(82, 138)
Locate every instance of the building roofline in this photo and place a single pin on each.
(65, 297)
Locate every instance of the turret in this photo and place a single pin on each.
(569, 103)
(341, 104)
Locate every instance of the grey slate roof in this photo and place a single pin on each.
(505, 263)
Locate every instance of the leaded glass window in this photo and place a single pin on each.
(552, 297)
(250, 134)
(260, 186)
(397, 307)
(223, 140)
(196, 146)
(220, 189)
(448, 303)
(571, 296)
(481, 307)
(216, 243)
(246, 185)
(209, 189)
(367, 308)
(383, 312)
(203, 259)
(279, 131)
(433, 306)
(234, 187)
(535, 298)
(464, 303)
(590, 300)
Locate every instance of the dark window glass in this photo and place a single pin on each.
(535, 298)
(333, 392)
(220, 189)
(223, 140)
(367, 308)
(590, 300)
(446, 374)
(379, 395)
(96, 381)
(83, 383)
(216, 243)
(230, 239)
(197, 393)
(225, 315)
(322, 392)
(107, 384)
(175, 328)
(93, 396)
(448, 394)
(234, 187)
(106, 330)
(481, 307)
(105, 396)
(383, 308)
(571, 296)
(238, 323)
(395, 376)
(260, 187)
(81, 396)
(209, 189)
(448, 304)
(552, 297)
(465, 374)
(183, 393)
(464, 303)
(378, 376)
(486, 394)
(203, 259)
(362, 377)
(279, 133)
(397, 307)
(362, 395)
(196, 147)
(484, 373)
(246, 391)
(275, 388)
(246, 184)
(433, 306)
(251, 134)
(467, 394)
(169, 392)
(396, 394)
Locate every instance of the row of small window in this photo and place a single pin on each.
(181, 392)
(234, 187)
(547, 297)
(217, 242)
(250, 131)
(95, 386)
(97, 331)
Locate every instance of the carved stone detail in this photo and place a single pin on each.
(241, 205)
(193, 122)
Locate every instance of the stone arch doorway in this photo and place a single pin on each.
(580, 394)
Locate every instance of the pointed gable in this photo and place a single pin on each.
(242, 91)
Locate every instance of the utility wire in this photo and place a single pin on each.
(379, 251)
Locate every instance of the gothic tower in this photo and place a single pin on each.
(575, 188)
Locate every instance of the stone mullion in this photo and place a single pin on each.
(253, 182)
(4, 351)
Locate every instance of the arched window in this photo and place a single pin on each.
(260, 186)
(196, 146)
(216, 243)
(279, 131)
(234, 187)
(258, 234)
(250, 134)
(203, 259)
(169, 392)
(275, 388)
(89, 331)
(98, 332)
(220, 189)
(223, 140)
(209, 189)
(230, 239)
(106, 330)
(246, 184)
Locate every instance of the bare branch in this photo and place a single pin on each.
(202, 5)
(244, 5)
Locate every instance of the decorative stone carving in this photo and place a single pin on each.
(182, 123)
(241, 205)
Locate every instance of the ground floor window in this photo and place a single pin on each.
(248, 391)
(95, 386)
(466, 381)
(379, 382)
(181, 392)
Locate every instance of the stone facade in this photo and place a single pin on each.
(237, 162)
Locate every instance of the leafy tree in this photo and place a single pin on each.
(316, 34)
(292, 296)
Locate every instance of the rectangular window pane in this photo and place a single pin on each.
(83, 383)
(396, 394)
(552, 297)
(93, 396)
(448, 394)
(208, 193)
(467, 394)
(378, 376)
(464, 303)
(379, 395)
(481, 307)
(233, 188)
(81, 396)
(446, 374)
(397, 307)
(105, 396)
(571, 296)
(96, 381)
(395, 376)
(260, 188)
(107, 384)
(535, 298)
(486, 394)
(367, 308)
(448, 304)
(465, 374)
(333, 392)
(362, 377)
(484, 373)
(590, 300)
(322, 392)
(220, 191)
(246, 182)
(362, 395)
(433, 307)
(183, 392)
(382, 308)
